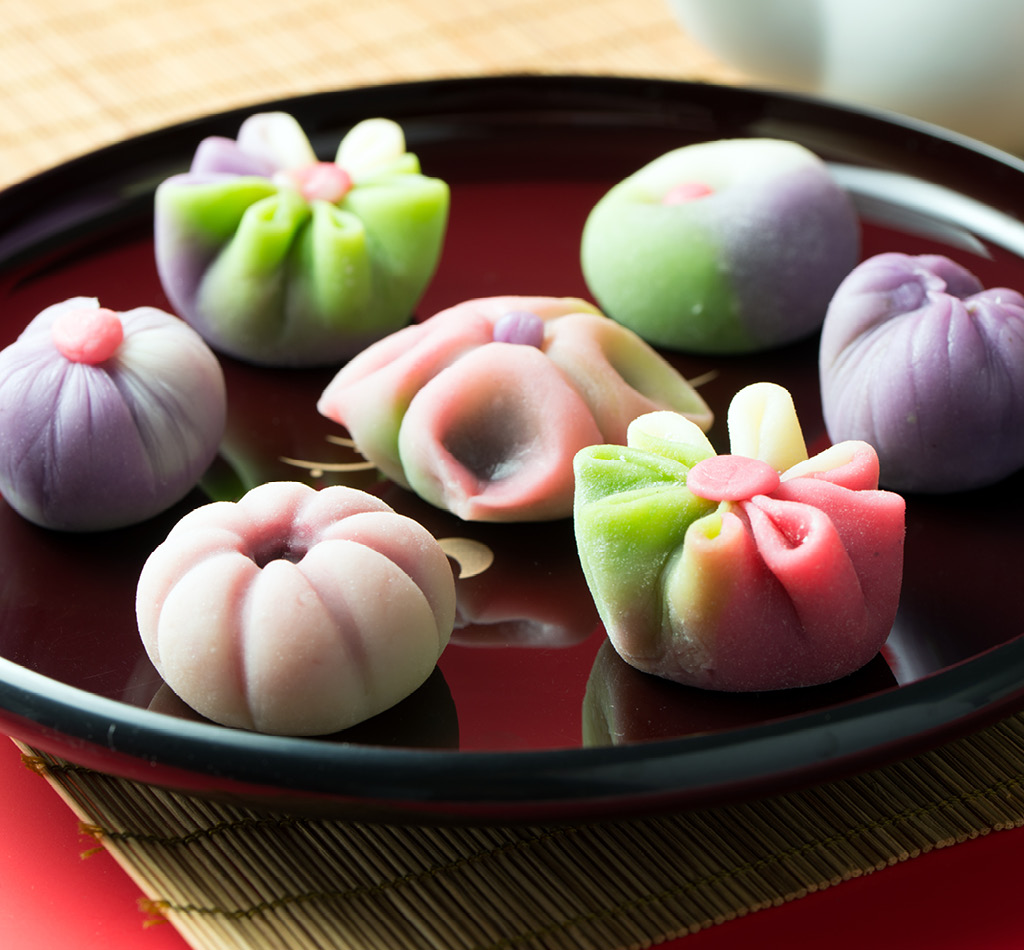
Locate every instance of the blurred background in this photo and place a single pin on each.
(77, 74)
(955, 63)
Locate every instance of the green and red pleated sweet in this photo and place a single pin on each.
(762, 569)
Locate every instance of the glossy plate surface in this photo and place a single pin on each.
(529, 715)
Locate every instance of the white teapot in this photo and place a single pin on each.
(955, 63)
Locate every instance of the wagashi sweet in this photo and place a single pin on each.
(295, 611)
(762, 569)
(279, 259)
(918, 358)
(728, 246)
(106, 418)
(481, 408)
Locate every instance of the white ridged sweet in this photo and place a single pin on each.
(295, 611)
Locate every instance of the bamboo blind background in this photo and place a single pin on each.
(228, 877)
(77, 74)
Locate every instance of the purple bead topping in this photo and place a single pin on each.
(519, 326)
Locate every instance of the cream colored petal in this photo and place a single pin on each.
(853, 464)
(276, 136)
(649, 431)
(763, 425)
(370, 144)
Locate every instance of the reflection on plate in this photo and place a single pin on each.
(425, 719)
(530, 715)
(622, 705)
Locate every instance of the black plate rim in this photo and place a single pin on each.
(688, 770)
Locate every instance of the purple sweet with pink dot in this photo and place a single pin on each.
(106, 418)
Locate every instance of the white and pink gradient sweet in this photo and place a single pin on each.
(759, 570)
(480, 409)
(296, 611)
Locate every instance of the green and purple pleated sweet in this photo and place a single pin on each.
(279, 259)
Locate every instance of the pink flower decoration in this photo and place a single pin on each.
(481, 409)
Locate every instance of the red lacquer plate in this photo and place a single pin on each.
(529, 715)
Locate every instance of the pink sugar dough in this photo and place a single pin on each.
(411, 401)
(295, 611)
(459, 440)
(91, 335)
(824, 576)
(794, 587)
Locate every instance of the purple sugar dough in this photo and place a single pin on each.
(519, 326)
(218, 155)
(791, 264)
(89, 447)
(927, 366)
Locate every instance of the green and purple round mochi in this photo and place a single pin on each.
(279, 259)
(729, 246)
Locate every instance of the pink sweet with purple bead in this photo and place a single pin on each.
(481, 408)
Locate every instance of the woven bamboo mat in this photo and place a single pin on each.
(227, 877)
(78, 74)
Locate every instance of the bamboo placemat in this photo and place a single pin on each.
(77, 74)
(228, 877)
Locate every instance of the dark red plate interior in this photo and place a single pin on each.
(529, 715)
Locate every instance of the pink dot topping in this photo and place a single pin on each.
(88, 335)
(322, 181)
(686, 191)
(731, 478)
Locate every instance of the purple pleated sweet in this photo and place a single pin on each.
(920, 360)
